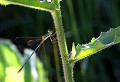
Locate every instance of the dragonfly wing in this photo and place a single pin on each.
(32, 42)
(28, 40)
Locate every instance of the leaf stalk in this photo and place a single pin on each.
(67, 67)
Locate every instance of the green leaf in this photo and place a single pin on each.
(34, 70)
(73, 53)
(36, 4)
(43, 76)
(9, 62)
(105, 40)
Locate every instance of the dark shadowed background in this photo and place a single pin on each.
(82, 20)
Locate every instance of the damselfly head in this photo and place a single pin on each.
(50, 32)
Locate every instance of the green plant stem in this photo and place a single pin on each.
(57, 63)
(74, 22)
(67, 67)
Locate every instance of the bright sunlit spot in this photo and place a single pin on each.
(12, 76)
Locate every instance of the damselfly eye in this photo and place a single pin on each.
(50, 32)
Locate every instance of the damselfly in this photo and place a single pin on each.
(33, 40)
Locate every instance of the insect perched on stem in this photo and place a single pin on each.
(33, 40)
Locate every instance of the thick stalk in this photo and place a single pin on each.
(67, 67)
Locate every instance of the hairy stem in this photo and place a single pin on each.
(67, 67)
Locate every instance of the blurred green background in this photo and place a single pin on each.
(82, 20)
